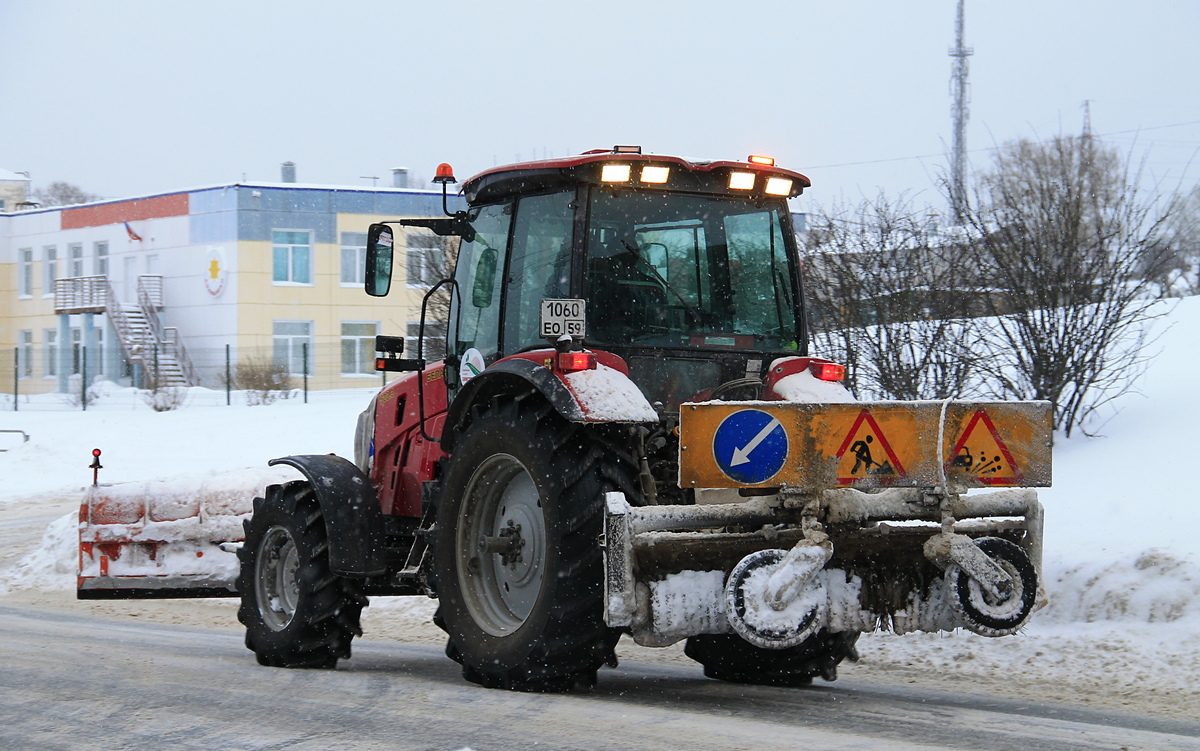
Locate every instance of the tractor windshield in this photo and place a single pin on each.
(685, 270)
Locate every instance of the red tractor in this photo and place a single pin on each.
(625, 433)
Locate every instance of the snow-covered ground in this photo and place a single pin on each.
(1122, 558)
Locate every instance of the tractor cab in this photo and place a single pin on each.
(689, 269)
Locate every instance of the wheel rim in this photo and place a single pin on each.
(758, 623)
(501, 545)
(983, 613)
(276, 584)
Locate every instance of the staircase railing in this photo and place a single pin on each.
(80, 294)
(133, 345)
(174, 346)
(150, 291)
(150, 300)
(94, 294)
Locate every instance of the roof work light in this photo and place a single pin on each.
(614, 173)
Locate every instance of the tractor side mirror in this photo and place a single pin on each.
(485, 278)
(379, 260)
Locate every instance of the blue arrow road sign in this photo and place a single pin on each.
(750, 446)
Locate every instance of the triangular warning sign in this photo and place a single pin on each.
(866, 455)
(981, 452)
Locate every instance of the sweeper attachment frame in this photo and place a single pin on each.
(866, 524)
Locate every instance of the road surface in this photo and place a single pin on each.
(74, 680)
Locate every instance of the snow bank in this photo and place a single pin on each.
(139, 445)
(1149, 587)
(51, 565)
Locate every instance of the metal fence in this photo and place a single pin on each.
(30, 375)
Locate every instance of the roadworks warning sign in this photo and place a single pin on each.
(866, 452)
(865, 444)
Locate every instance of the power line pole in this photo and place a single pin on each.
(958, 87)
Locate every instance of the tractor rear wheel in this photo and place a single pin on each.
(517, 560)
(297, 613)
(727, 657)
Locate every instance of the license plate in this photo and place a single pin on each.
(563, 317)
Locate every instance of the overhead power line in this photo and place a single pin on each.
(994, 148)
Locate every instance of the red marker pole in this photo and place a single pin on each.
(95, 466)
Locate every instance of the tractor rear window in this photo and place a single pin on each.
(689, 271)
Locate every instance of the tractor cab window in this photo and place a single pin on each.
(680, 270)
(475, 308)
(540, 266)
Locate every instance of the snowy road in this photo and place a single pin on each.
(72, 681)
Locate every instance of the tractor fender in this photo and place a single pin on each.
(508, 377)
(602, 394)
(353, 518)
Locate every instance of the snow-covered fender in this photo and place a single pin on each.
(602, 394)
(353, 518)
(795, 379)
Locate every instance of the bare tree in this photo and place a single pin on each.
(431, 258)
(891, 300)
(1073, 250)
(62, 194)
(1182, 268)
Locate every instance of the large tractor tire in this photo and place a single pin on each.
(517, 562)
(297, 613)
(727, 657)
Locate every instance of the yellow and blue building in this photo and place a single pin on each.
(164, 283)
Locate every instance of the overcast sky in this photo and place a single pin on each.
(126, 98)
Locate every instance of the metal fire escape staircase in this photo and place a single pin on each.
(144, 340)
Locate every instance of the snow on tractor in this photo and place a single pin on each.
(626, 435)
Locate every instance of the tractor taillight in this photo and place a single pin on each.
(571, 362)
(768, 161)
(827, 371)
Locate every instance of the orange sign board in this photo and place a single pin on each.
(865, 444)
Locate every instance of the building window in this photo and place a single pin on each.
(288, 339)
(25, 272)
(76, 253)
(76, 351)
(292, 257)
(101, 263)
(96, 357)
(25, 353)
(358, 348)
(426, 260)
(354, 258)
(50, 349)
(434, 345)
(50, 254)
